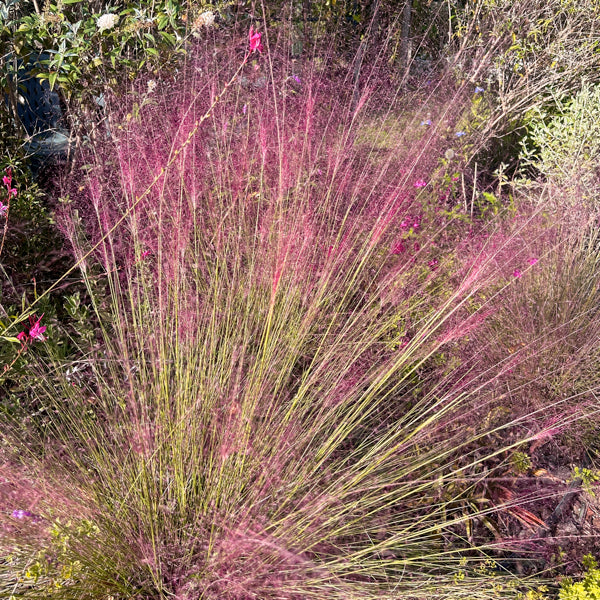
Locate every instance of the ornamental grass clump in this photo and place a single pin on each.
(264, 415)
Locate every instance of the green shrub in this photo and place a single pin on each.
(564, 146)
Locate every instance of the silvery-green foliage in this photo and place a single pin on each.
(564, 148)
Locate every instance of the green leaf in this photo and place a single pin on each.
(169, 37)
(162, 21)
(52, 79)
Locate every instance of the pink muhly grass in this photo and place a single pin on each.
(268, 418)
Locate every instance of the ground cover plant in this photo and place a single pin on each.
(295, 386)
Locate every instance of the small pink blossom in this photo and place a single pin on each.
(255, 43)
(22, 337)
(3, 209)
(532, 261)
(7, 179)
(420, 183)
(244, 108)
(517, 273)
(145, 253)
(398, 248)
(432, 264)
(36, 332)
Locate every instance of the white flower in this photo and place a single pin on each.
(107, 21)
(151, 85)
(205, 19)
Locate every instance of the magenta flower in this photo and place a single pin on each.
(517, 273)
(398, 248)
(532, 261)
(36, 332)
(254, 38)
(22, 337)
(420, 183)
(3, 209)
(7, 181)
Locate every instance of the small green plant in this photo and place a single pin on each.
(588, 478)
(586, 589)
(520, 462)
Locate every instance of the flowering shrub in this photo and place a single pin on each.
(84, 50)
